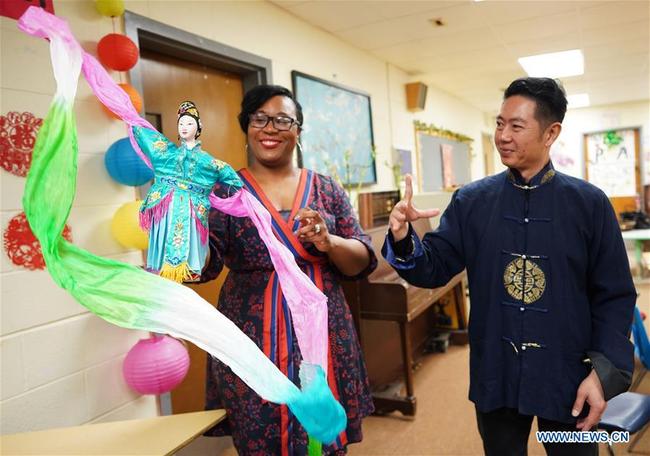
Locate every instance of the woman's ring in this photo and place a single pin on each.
(317, 228)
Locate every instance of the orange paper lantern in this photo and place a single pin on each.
(133, 94)
(117, 52)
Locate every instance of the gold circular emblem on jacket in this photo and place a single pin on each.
(530, 284)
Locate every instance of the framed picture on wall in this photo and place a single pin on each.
(612, 163)
(336, 138)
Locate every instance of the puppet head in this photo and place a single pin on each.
(188, 108)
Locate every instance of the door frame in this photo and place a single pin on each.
(155, 36)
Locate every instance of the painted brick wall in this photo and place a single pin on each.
(62, 365)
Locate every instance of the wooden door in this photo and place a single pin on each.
(166, 83)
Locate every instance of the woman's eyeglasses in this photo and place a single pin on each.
(282, 123)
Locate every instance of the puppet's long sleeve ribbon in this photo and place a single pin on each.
(308, 305)
(126, 295)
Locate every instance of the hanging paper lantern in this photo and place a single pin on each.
(110, 8)
(156, 365)
(124, 165)
(117, 52)
(126, 227)
(136, 99)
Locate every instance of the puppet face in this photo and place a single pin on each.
(187, 128)
(521, 140)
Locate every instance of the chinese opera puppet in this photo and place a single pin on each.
(175, 210)
(175, 213)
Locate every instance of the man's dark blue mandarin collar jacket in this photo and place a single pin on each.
(550, 286)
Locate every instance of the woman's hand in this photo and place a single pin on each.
(313, 229)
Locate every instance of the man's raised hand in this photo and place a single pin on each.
(405, 212)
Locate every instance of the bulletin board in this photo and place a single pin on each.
(443, 158)
(613, 164)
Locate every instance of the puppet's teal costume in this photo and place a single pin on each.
(175, 211)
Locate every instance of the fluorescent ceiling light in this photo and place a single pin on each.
(554, 64)
(579, 100)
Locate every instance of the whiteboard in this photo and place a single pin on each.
(431, 150)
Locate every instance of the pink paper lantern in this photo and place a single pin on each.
(156, 365)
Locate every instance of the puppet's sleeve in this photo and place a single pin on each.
(153, 144)
(226, 175)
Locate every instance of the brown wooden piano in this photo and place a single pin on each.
(395, 320)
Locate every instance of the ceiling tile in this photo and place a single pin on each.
(507, 12)
(637, 30)
(289, 3)
(379, 35)
(604, 50)
(474, 55)
(617, 64)
(614, 13)
(556, 43)
(404, 29)
(478, 62)
(336, 16)
(393, 9)
(537, 28)
(465, 41)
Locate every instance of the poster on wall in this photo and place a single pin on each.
(336, 138)
(563, 160)
(15, 8)
(447, 157)
(611, 161)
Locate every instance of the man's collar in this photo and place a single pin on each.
(544, 176)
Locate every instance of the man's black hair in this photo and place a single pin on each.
(547, 93)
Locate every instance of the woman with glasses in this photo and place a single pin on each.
(312, 216)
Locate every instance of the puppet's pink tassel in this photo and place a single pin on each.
(155, 214)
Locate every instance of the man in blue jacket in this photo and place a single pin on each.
(551, 292)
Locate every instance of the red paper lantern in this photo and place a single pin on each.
(133, 94)
(156, 365)
(117, 52)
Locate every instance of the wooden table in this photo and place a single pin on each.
(638, 236)
(161, 435)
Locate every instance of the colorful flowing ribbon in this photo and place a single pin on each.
(127, 296)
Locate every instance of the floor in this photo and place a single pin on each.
(444, 424)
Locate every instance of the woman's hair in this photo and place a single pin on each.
(259, 95)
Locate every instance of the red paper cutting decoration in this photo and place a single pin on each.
(22, 247)
(17, 137)
(117, 52)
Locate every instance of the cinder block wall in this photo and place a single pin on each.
(61, 365)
